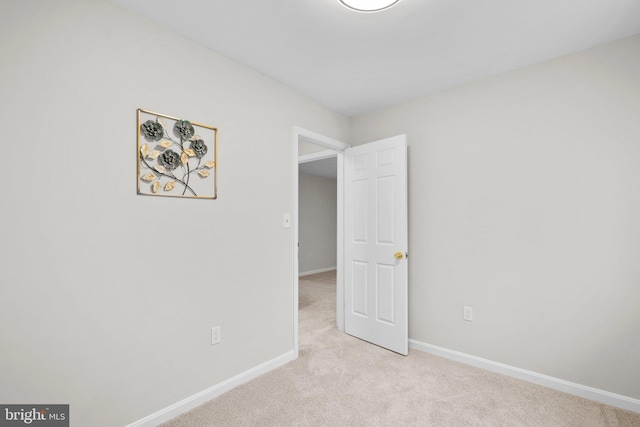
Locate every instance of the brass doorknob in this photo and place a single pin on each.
(397, 255)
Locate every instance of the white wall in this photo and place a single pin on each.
(108, 298)
(525, 204)
(317, 223)
(306, 147)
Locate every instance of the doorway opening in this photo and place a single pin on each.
(317, 214)
(371, 253)
(315, 148)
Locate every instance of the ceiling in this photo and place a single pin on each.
(327, 168)
(356, 62)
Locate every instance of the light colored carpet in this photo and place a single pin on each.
(339, 380)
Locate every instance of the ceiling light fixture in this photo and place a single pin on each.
(368, 5)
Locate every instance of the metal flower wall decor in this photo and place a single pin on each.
(176, 157)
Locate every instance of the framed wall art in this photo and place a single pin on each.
(176, 157)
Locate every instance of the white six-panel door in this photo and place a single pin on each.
(376, 243)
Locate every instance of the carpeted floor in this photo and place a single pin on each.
(339, 380)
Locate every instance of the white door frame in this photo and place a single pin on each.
(339, 147)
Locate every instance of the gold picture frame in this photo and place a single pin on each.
(176, 157)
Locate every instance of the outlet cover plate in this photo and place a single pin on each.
(216, 335)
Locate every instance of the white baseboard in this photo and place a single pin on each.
(590, 393)
(198, 399)
(320, 270)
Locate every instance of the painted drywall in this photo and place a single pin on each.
(307, 147)
(317, 223)
(108, 298)
(525, 205)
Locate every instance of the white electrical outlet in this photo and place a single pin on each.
(216, 335)
(468, 313)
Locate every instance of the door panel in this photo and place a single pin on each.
(359, 222)
(385, 298)
(360, 288)
(376, 229)
(385, 206)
